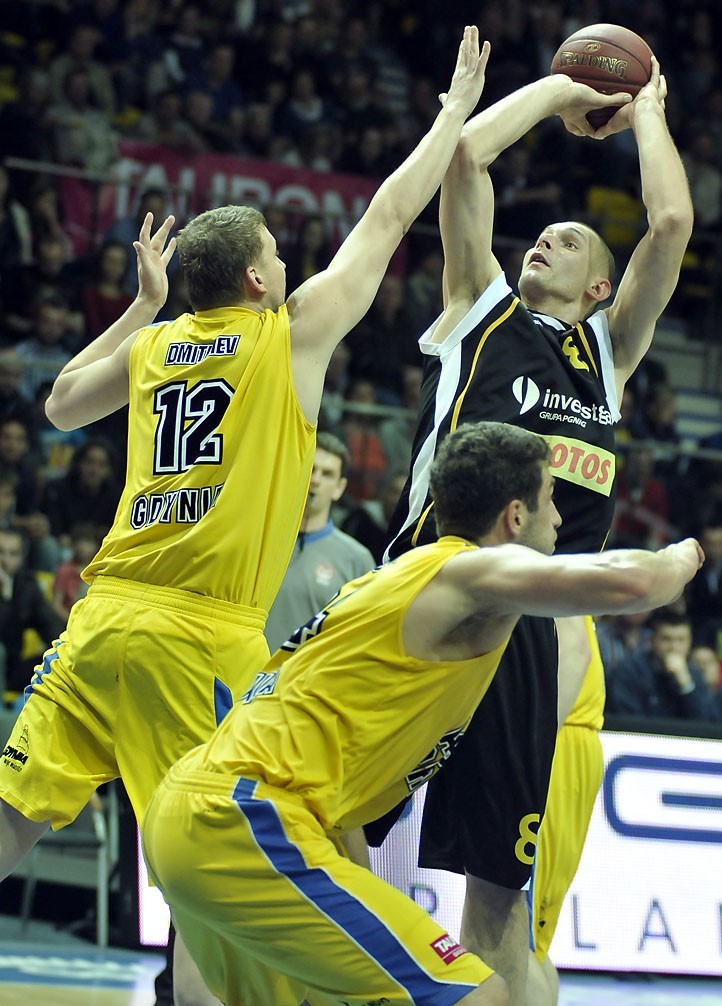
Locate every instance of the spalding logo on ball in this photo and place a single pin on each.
(607, 57)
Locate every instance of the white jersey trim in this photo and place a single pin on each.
(495, 292)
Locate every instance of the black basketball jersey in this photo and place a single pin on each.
(507, 364)
(499, 773)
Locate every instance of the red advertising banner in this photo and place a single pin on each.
(196, 182)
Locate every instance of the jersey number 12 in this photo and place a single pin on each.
(186, 433)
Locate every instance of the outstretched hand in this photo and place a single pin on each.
(653, 93)
(154, 254)
(469, 76)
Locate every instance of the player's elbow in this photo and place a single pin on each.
(58, 413)
(470, 157)
(673, 223)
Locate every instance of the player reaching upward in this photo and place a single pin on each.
(553, 361)
(223, 405)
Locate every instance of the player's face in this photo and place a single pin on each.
(558, 264)
(540, 529)
(326, 486)
(273, 271)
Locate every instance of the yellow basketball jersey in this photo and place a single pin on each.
(219, 458)
(342, 716)
(588, 710)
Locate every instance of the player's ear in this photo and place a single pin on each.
(513, 519)
(600, 289)
(253, 283)
(340, 489)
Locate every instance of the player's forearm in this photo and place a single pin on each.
(490, 132)
(615, 582)
(410, 188)
(141, 312)
(647, 580)
(665, 189)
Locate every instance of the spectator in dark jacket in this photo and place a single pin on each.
(89, 493)
(22, 606)
(704, 594)
(661, 681)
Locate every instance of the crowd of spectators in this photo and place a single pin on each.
(333, 86)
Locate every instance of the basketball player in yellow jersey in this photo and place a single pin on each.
(363, 705)
(223, 406)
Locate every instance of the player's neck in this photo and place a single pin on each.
(556, 307)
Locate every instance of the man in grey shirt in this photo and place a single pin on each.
(324, 558)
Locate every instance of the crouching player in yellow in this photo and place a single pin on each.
(366, 701)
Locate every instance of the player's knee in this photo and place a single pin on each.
(198, 996)
(189, 989)
(492, 992)
(492, 907)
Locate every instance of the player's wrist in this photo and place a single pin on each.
(647, 109)
(557, 90)
(148, 304)
(456, 108)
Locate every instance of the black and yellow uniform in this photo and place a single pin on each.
(220, 457)
(508, 364)
(244, 835)
(496, 837)
(576, 776)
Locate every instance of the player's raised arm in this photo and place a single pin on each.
(467, 199)
(324, 309)
(95, 382)
(653, 271)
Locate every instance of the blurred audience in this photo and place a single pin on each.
(384, 341)
(46, 352)
(89, 493)
(367, 463)
(82, 134)
(368, 521)
(641, 512)
(621, 636)
(704, 592)
(397, 432)
(662, 681)
(13, 403)
(23, 606)
(15, 230)
(309, 253)
(78, 57)
(709, 664)
(68, 585)
(105, 298)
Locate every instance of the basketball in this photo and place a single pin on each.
(607, 57)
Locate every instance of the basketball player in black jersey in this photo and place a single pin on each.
(553, 362)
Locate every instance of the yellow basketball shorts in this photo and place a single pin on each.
(272, 911)
(588, 710)
(141, 675)
(575, 780)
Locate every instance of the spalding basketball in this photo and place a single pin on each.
(607, 57)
